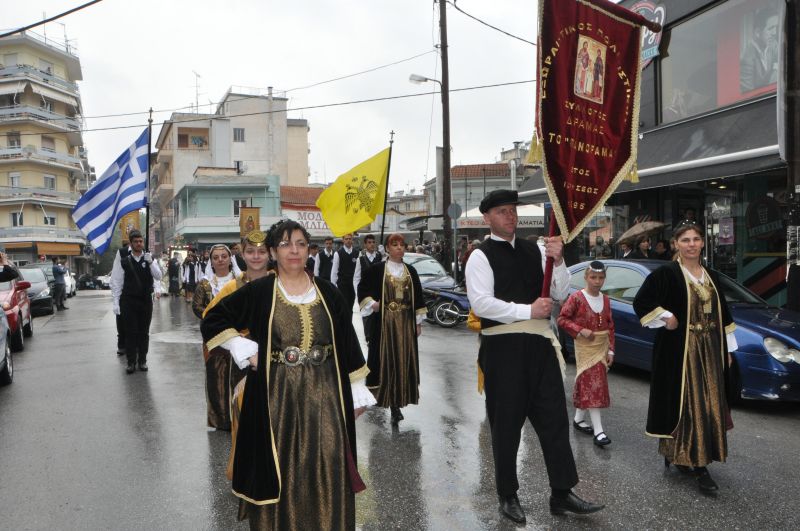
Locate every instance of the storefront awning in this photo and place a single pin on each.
(54, 95)
(17, 245)
(12, 88)
(731, 142)
(59, 249)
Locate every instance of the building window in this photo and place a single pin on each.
(183, 141)
(722, 56)
(14, 140)
(16, 219)
(237, 205)
(48, 144)
(46, 66)
(10, 59)
(46, 105)
(13, 179)
(50, 220)
(238, 134)
(50, 182)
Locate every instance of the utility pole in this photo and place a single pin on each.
(445, 84)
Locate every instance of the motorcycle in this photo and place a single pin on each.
(446, 307)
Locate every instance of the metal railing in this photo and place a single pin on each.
(33, 72)
(38, 193)
(37, 154)
(29, 112)
(32, 232)
(64, 47)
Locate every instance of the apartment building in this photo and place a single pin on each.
(43, 164)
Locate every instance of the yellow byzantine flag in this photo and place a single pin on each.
(357, 196)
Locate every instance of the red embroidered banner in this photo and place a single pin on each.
(588, 98)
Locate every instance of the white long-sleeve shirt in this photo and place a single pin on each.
(335, 267)
(118, 274)
(480, 288)
(357, 274)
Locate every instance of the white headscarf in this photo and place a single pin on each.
(215, 281)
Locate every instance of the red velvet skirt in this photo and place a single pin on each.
(591, 388)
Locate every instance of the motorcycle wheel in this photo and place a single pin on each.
(446, 314)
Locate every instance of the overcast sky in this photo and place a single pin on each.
(141, 54)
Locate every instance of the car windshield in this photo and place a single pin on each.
(33, 275)
(46, 269)
(736, 293)
(426, 266)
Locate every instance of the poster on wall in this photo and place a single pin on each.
(249, 220)
(726, 235)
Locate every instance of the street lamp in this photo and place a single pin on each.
(448, 229)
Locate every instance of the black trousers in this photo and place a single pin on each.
(59, 291)
(346, 287)
(120, 331)
(523, 381)
(136, 313)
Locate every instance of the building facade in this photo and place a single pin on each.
(43, 162)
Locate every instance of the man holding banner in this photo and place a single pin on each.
(521, 368)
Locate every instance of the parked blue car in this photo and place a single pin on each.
(767, 362)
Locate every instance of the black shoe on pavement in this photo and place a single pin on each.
(605, 441)
(511, 509)
(120, 351)
(397, 415)
(705, 482)
(582, 427)
(572, 504)
(130, 369)
(143, 367)
(63, 308)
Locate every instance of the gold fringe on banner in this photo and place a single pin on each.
(536, 152)
(633, 175)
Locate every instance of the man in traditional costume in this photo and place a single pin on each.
(520, 366)
(344, 268)
(391, 295)
(370, 256)
(324, 263)
(688, 409)
(132, 280)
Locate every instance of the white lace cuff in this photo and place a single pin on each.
(659, 321)
(733, 345)
(362, 397)
(241, 349)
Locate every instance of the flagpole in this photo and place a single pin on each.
(386, 190)
(548, 267)
(147, 204)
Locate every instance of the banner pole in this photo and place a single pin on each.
(548, 267)
(147, 204)
(386, 190)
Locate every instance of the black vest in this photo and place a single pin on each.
(138, 281)
(517, 271)
(347, 266)
(366, 263)
(325, 265)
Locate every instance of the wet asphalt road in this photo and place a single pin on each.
(85, 446)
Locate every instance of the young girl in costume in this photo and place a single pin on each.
(586, 316)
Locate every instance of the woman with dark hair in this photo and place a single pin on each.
(303, 390)
(688, 409)
(393, 292)
(642, 250)
(220, 269)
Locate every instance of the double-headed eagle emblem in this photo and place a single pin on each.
(359, 196)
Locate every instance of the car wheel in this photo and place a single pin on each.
(7, 374)
(446, 314)
(16, 342)
(27, 330)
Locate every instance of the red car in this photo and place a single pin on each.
(14, 298)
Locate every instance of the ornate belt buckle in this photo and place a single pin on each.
(393, 306)
(292, 356)
(316, 355)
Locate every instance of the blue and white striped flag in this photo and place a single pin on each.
(121, 189)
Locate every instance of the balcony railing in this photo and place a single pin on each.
(37, 154)
(29, 112)
(51, 232)
(38, 193)
(33, 72)
(64, 47)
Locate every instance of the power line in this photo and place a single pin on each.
(292, 109)
(45, 21)
(453, 3)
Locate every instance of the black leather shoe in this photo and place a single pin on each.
(120, 352)
(130, 369)
(511, 509)
(143, 367)
(605, 441)
(64, 308)
(397, 415)
(585, 428)
(705, 482)
(572, 504)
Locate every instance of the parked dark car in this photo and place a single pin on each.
(45, 267)
(6, 357)
(431, 273)
(87, 281)
(767, 363)
(40, 293)
(17, 307)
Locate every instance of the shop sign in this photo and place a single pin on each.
(764, 218)
(527, 222)
(726, 234)
(312, 220)
(650, 40)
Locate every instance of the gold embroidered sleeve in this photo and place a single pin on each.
(730, 328)
(359, 373)
(652, 316)
(366, 302)
(221, 338)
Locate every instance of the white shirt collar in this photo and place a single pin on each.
(499, 239)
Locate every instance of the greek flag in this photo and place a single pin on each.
(121, 189)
